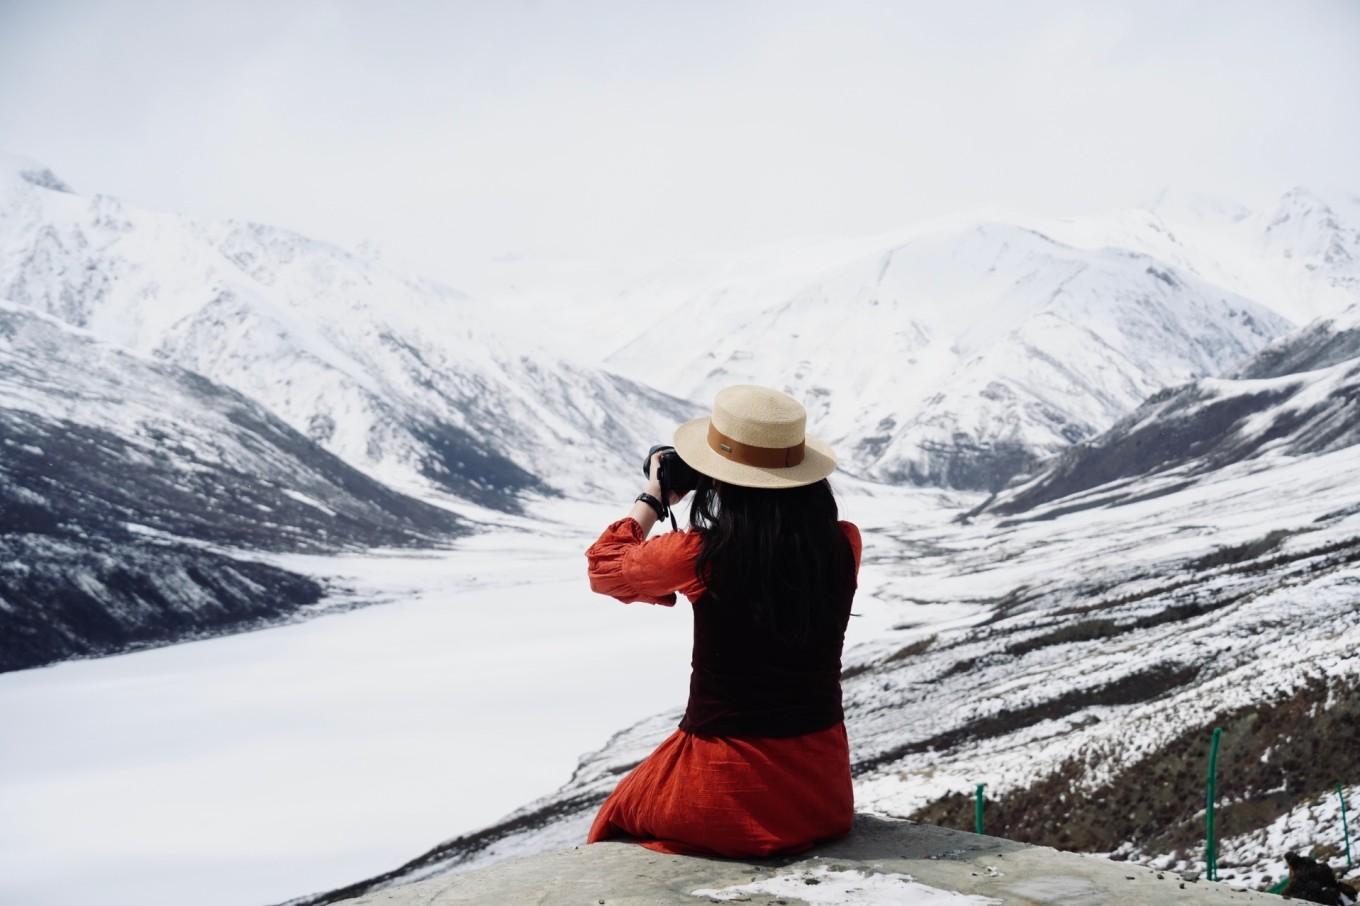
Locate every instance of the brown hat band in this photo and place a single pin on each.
(751, 455)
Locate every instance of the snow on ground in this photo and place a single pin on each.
(1045, 555)
(827, 887)
(255, 767)
(1297, 831)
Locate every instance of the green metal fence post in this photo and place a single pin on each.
(1345, 828)
(977, 808)
(1210, 843)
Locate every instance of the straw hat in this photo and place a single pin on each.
(754, 438)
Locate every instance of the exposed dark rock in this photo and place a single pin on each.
(459, 463)
(967, 465)
(1318, 345)
(44, 178)
(76, 596)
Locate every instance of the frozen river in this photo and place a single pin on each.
(265, 765)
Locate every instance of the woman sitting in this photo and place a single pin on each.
(760, 764)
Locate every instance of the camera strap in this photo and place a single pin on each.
(666, 498)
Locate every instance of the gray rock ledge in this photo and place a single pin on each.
(625, 874)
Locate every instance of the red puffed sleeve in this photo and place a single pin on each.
(626, 566)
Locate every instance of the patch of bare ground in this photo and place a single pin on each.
(1273, 756)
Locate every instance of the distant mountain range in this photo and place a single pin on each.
(961, 354)
(391, 373)
(965, 357)
(962, 351)
(969, 354)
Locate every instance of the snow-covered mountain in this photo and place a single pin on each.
(961, 356)
(1300, 256)
(952, 352)
(1195, 428)
(393, 374)
(129, 488)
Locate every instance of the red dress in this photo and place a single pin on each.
(716, 795)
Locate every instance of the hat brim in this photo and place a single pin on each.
(691, 442)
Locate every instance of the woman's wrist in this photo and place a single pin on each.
(651, 500)
(654, 488)
(643, 514)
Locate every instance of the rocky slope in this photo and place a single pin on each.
(127, 486)
(1326, 341)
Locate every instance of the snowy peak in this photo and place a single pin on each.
(1306, 230)
(1302, 204)
(1195, 430)
(1299, 256)
(963, 356)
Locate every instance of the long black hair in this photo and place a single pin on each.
(777, 552)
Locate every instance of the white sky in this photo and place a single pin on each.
(452, 132)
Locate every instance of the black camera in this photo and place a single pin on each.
(673, 472)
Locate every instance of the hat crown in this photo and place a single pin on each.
(759, 416)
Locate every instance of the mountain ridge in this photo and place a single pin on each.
(1263, 407)
(394, 374)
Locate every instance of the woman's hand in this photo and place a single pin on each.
(654, 483)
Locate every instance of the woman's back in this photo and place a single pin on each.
(747, 681)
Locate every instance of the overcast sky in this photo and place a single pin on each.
(449, 132)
